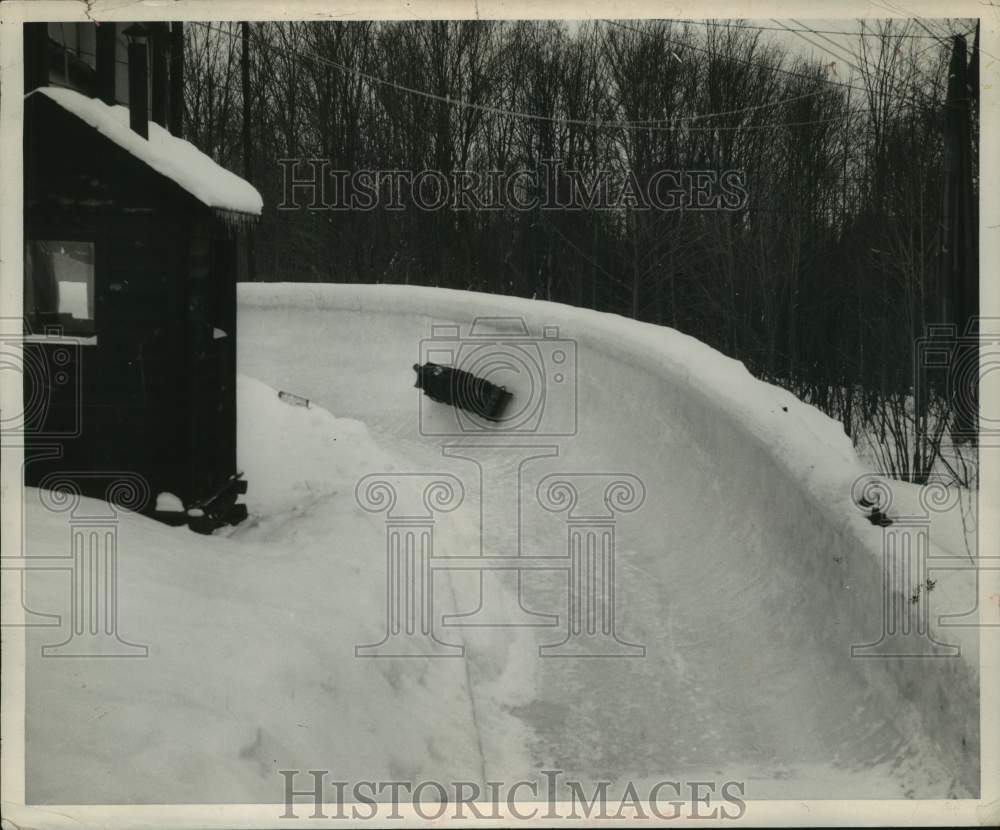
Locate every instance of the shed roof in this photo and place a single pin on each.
(172, 157)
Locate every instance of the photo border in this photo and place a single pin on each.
(982, 811)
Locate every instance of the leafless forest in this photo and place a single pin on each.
(821, 282)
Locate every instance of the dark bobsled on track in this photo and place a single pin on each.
(462, 389)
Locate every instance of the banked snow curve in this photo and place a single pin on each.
(748, 573)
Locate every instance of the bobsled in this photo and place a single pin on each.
(462, 389)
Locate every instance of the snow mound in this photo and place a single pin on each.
(748, 573)
(811, 446)
(291, 455)
(251, 641)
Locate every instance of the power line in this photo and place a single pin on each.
(889, 6)
(944, 36)
(654, 125)
(850, 55)
(922, 25)
(935, 45)
(914, 65)
(841, 84)
(819, 46)
(742, 24)
(851, 63)
(639, 125)
(814, 78)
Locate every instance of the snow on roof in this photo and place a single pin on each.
(172, 157)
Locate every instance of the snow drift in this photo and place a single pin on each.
(747, 574)
(249, 637)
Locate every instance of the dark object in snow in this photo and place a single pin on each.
(462, 389)
(220, 508)
(293, 400)
(877, 517)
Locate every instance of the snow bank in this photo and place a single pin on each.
(291, 455)
(178, 160)
(749, 573)
(251, 639)
(812, 447)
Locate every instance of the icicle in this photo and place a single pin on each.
(235, 221)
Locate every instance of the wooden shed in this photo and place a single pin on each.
(131, 263)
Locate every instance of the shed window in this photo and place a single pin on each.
(73, 56)
(59, 286)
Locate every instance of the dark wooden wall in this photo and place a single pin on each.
(157, 391)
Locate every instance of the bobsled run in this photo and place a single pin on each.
(653, 567)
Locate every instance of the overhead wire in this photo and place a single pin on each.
(745, 61)
(850, 55)
(779, 69)
(655, 125)
(651, 125)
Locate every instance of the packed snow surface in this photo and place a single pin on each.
(746, 574)
(178, 160)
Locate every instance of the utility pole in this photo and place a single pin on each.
(960, 289)
(247, 161)
(971, 237)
